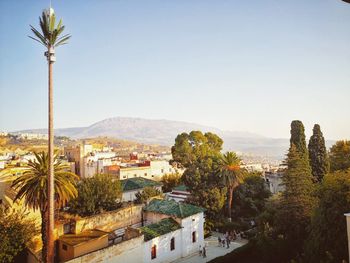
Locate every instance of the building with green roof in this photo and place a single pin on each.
(163, 227)
(133, 185)
(172, 208)
(173, 230)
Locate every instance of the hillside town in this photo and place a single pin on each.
(163, 229)
(174, 131)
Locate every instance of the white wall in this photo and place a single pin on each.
(190, 224)
(164, 254)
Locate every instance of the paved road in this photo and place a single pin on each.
(213, 250)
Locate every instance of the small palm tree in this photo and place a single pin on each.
(32, 187)
(232, 175)
(50, 37)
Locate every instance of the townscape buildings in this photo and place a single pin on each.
(163, 230)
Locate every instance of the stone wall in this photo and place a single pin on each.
(108, 221)
(126, 251)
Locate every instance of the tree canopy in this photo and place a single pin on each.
(328, 237)
(251, 196)
(319, 161)
(96, 194)
(339, 156)
(199, 153)
(195, 147)
(16, 230)
(144, 195)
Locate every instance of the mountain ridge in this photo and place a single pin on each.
(164, 132)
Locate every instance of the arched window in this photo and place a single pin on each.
(154, 252)
(172, 243)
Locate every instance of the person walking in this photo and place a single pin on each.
(219, 241)
(200, 251)
(204, 252)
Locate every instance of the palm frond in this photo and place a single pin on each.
(50, 32)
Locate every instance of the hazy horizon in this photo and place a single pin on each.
(236, 66)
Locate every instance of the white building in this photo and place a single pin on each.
(178, 193)
(176, 230)
(160, 168)
(171, 230)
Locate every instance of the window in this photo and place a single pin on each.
(154, 252)
(172, 243)
(66, 228)
(194, 237)
(64, 247)
(135, 175)
(162, 170)
(145, 174)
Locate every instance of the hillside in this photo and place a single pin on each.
(163, 132)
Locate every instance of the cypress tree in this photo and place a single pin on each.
(297, 199)
(319, 161)
(297, 138)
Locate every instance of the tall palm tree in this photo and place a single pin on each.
(232, 175)
(51, 37)
(32, 187)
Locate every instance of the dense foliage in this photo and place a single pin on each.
(339, 156)
(319, 161)
(32, 187)
(297, 202)
(144, 195)
(15, 232)
(96, 194)
(328, 237)
(199, 153)
(170, 181)
(250, 197)
(297, 138)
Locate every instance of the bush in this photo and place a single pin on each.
(95, 195)
(148, 192)
(15, 232)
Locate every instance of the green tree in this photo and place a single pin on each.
(16, 231)
(297, 201)
(319, 161)
(50, 37)
(199, 153)
(211, 198)
(328, 238)
(251, 196)
(191, 149)
(232, 175)
(170, 181)
(32, 186)
(339, 156)
(297, 138)
(144, 195)
(97, 194)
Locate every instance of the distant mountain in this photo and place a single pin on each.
(163, 132)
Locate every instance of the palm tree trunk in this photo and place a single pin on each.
(230, 197)
(44, 217)
(50, 187)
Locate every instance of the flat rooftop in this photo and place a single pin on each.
(163, 227)
(83, 237)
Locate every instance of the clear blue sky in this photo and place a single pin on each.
(236, 65)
